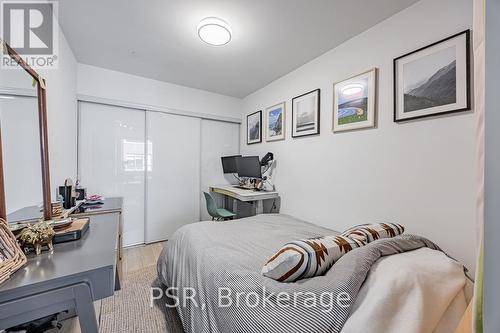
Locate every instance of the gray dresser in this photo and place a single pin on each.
(73, 277)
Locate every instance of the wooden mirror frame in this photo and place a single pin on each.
(44, 140)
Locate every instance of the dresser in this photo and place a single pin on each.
(74, 276)
(109, 206)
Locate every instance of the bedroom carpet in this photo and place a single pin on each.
(129, 310)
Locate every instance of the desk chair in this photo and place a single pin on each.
(218, 214)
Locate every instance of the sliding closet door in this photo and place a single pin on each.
(173, 180)
(112, 160)
(217, 139)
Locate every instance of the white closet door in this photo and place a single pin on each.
(217, 139)
(112, 160)
(173, 181)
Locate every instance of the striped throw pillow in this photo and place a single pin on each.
(308, 258)
(367, 233)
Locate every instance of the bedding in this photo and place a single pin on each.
(204, 256)
(407, 293)
(368, 233)
(307, 258)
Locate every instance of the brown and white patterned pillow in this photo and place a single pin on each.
(370, 232)
(308, 258)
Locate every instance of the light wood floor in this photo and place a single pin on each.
(134, 258)
(138, 257)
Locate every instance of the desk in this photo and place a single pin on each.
(244, 195)
(73, 277)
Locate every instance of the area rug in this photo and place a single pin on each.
(129, 309)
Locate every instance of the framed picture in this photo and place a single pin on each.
(254, 128)
(433, 80)
(354, 102)
(305, 114)
(275, 119)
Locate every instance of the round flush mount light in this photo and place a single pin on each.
(352, 89)
(214, 31)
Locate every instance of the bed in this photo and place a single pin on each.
(419, 289)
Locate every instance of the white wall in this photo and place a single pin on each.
(104, 83)
(419, 173)
(62, 116)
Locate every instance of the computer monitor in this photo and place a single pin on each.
(229, 163)
(249, 166)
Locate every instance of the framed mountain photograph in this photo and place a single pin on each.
(275, 116)
(254, 128)
(433, 80)
(354, 102)
(305, 114)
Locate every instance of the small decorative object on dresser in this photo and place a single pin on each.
(433, 80)
(57, 209)
(81, 193)
(36, 236)
(354, 102)
(275, 117)
(254, 128)
(305, 114)
(11, 256)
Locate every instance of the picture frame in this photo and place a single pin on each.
(306, 114)
(433, 80)
(254, 128)
(276, 122)
(355, 102)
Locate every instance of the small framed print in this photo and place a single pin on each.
(354, 102)
(254, 128)
(433, 80)
(306, 114)
(275, 120)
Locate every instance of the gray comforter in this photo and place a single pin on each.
(203, 257)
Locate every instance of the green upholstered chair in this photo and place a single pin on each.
(217, 214)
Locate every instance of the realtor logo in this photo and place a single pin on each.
(31, 29)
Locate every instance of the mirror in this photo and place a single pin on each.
(21, 153)
(25, 190)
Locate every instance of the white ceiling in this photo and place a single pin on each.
(158, 39)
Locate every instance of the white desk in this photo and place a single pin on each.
(244, 195)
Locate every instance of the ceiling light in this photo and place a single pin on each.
(352, 89)
(214, 31)
(6, 97)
